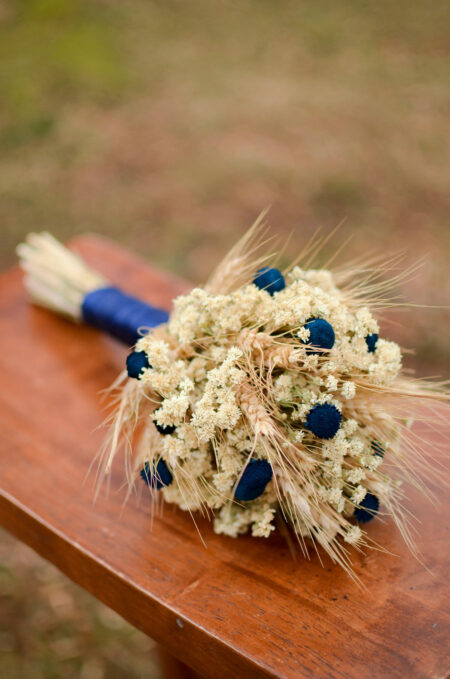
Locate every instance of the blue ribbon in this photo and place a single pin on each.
(122, 316)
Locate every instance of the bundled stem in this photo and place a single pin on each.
(56, 278)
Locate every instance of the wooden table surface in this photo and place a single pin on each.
(235, 608)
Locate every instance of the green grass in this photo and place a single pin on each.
(170, 125)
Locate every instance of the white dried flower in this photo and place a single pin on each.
(348, 390)
(355, 475)
(359, 494)
(353, 535)
(331, 383)
(304, 334)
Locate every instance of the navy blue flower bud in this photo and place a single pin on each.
(136, 362)
(164, 430)
(321, 335)
(253, 481)
(377, 448)
(269, 279)
(367, 509)
(157, 476)
(324, 420)
(371, 341)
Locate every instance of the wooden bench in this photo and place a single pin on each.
(235, 608)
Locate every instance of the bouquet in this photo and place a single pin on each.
(264, 397)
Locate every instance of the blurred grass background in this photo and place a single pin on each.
(169, 126)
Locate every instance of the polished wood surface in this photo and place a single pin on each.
(229, 608)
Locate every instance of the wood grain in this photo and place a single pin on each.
(235, 608)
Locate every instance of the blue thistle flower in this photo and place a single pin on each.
(253, 481)
(367, 509)
(157, 476)
(321, 335)
(371, 341)
(324, 420)
(136, 362)
(269, 279)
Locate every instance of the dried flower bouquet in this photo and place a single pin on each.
(266, 393)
